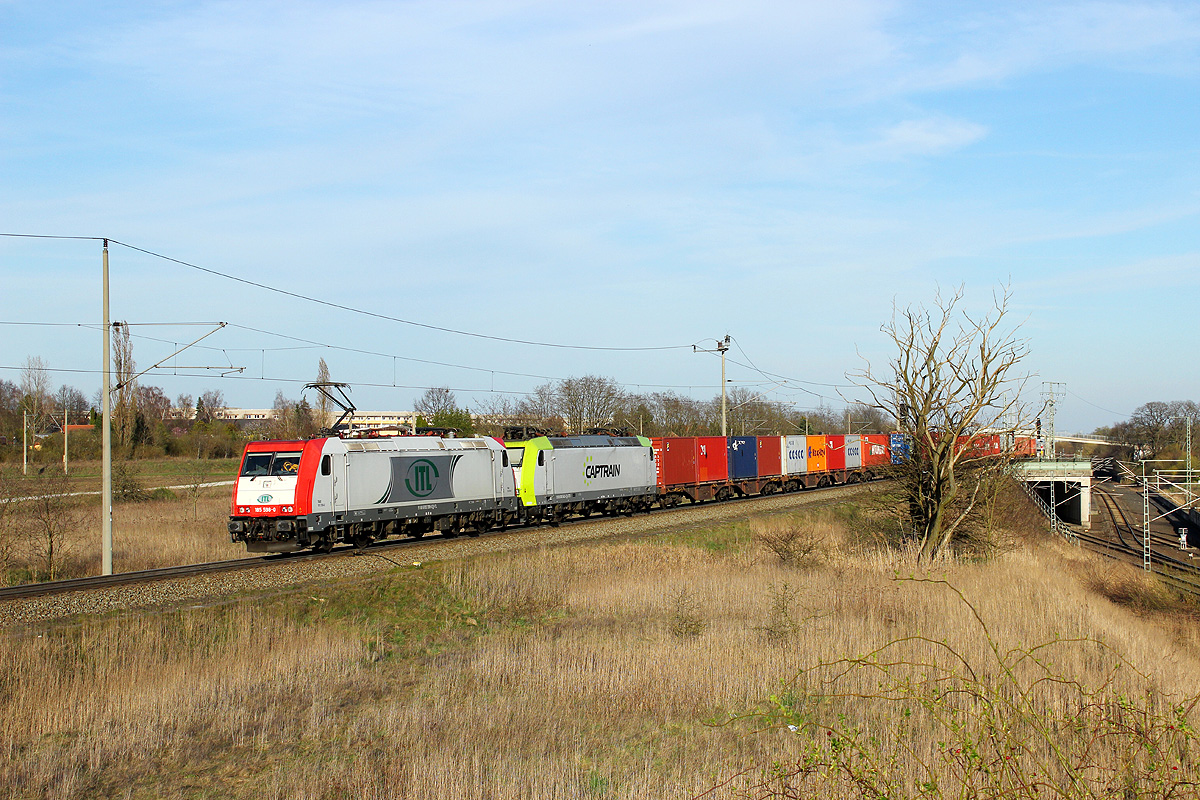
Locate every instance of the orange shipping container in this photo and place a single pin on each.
(816, 453)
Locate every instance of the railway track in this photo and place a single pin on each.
(1127, 543)
(51, 588)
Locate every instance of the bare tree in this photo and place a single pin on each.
(677, 415)
(435, 402)
(863, 418)
(541, 407)
(184, 405)
(35, 388)
(291, 419)
(10, 407)
(210, 405)
(153, 403)
(9, 503)
(197, 473)
(589, 401)
(953, 374)
(70, 401)
(496, 412)
(51, 515)
(323, 417)
(125, 407)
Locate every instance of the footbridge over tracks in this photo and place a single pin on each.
(1063, 485)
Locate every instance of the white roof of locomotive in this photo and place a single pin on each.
(397, 444)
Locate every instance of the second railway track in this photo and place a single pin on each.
(1127, 543)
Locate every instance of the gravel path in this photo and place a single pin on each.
(212, 589)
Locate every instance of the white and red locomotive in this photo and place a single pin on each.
(292, 495)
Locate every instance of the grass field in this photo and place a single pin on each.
(149, 473)
(152, 526)
(695, 663)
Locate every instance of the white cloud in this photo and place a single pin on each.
(928, 136)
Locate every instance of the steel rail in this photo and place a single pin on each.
(1175, 572)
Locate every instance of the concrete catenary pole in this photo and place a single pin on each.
(721, 348)
(106, 548)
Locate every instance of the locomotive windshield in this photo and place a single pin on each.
(259, 464)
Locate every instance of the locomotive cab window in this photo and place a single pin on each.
(285, 464)
(256, 464)
(515, 455)
(326, 465)
(541, 458)
(504, 458)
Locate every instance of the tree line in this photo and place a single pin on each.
(1156, 429)
(590, 402)
(145, 421)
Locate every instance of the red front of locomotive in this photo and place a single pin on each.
(273, 492)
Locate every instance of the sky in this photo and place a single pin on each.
(416, 191)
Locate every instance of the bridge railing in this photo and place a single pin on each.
(1056, 525)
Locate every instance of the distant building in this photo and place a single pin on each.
(363, 420)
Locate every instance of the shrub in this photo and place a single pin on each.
(781, 620)
(126, 483)
(796, 542)
(684, 621)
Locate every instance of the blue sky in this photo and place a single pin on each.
(602, 174)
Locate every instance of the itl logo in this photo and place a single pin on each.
(422, 477)
(266, 498)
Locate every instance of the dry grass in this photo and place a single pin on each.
(160, 532)
(91, 710)
(566, 673)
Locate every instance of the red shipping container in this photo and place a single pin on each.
(1025, 447)
(875, 450)
(656, 444)
(712, 458)
(770, 455)
(835, 452)
(981, 445)
(676, 460)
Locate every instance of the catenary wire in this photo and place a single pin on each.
(311, 344)
(67, 370)
(1093, 405)
(389, 318)
(343, 307)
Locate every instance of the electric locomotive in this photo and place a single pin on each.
(292, 495)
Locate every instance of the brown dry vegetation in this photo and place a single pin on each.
(664, 667)
(164, 529)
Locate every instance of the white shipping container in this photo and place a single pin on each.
(853, 451)
(795, 455)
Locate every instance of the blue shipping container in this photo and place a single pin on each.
(743, 457)
(899, 447)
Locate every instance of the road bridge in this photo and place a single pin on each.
(1063, 484)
